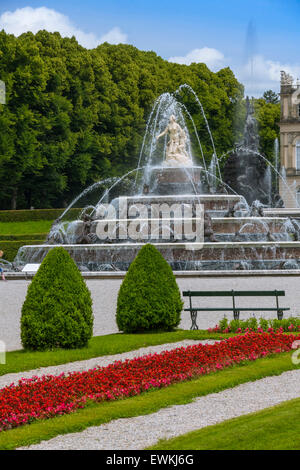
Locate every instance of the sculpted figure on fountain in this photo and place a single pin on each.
(176, 153)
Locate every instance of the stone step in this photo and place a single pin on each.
(160, 206)
(179, 229)
(248, 224)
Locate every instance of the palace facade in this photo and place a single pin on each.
(290, 141)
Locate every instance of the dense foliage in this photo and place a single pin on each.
(149, 297)
(57, 311)
(75, 116)
(271, 97)
(49, 396)
(267, 113)
(35, 214)
(11, 247)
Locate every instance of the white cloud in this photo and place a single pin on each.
(213, 58)
(114, 36)
(34, 19)
(260, 74)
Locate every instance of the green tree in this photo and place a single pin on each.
(268, 117)
(57, 311)
(22, 70)
(149, 298)
(271, 97)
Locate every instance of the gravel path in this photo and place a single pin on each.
(105, 292)
(101, 361)
(143, 431)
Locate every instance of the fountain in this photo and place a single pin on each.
(244, 171)
(197, 221)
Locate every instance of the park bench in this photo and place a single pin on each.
(235, 309)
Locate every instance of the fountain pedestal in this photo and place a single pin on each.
(181, 180)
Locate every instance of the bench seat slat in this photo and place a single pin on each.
(236, 293)
(262, 309)
(235, 309)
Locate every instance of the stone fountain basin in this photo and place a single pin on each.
(214, 202)
(183, 229)
(123, 254)
(254, 224)
(174, 180)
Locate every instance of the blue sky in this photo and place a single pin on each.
(255, 38)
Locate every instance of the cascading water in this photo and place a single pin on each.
(190, 89)
(213, 173)
(268, 185)
(166, 105)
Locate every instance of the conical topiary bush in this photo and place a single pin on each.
(57, 311)
(149, 297)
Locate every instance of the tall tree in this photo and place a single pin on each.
(271, 97)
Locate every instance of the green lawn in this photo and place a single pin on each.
(22, 228)
(17, 361)
(14, 235)
(276, 428)
(96, 414)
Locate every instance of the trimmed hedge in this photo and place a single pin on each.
(10, 248)
(24, 236)
(57, 312)
(36, 214)
(149, 297)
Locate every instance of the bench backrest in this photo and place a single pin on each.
(235, 293)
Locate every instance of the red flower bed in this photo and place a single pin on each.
(48, 396)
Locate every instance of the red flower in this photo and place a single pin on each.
(48, 396)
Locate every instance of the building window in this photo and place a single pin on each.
(299, 110)
(298, 154)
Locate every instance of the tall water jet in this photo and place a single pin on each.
(213, 173)
(244, 171)
(276, 163)
(267, 181)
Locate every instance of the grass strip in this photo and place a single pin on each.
(23, 237)
(275, 428)
(185, 392)
(20, 361)
(28, 227)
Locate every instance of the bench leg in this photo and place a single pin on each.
(194, 321)
(280, 314)
(236, 314)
